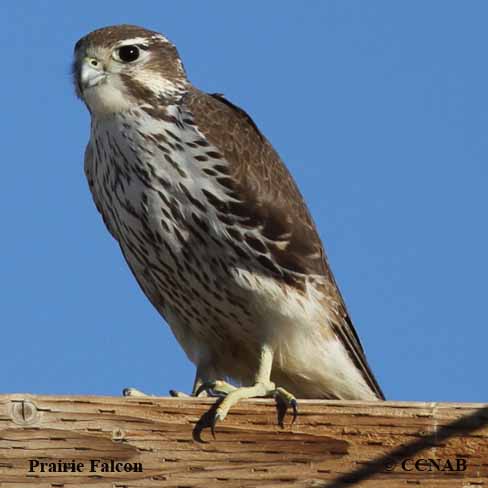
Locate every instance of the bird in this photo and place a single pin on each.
(214, 228)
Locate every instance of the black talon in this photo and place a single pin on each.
(281, 408)
(203, 387)
(213, 423)
(294, 406)
(210, 389)
(216, 394)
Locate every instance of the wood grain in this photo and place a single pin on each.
(332, 443)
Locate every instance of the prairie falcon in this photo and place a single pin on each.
(213, 227)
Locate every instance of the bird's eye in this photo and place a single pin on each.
(127, 54)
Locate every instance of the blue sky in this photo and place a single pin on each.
(378, 108)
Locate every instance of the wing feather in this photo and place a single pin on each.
(271, 201)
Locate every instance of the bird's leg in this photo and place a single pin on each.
(263, 387)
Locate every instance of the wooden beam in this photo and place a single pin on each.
(332, 443)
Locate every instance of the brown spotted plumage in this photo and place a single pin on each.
(213, 227)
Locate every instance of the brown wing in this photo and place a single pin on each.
(271, 201)
(269, 195)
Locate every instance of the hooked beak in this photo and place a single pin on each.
(92, 73)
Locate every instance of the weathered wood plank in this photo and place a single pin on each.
(331, 442)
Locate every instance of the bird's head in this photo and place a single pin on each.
(120, 67)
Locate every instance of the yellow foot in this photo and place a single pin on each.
(212, 389)
(133, 392)
(217, 388)
(179, 394)
(232, 394)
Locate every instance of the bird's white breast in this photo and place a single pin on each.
(143, 193)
